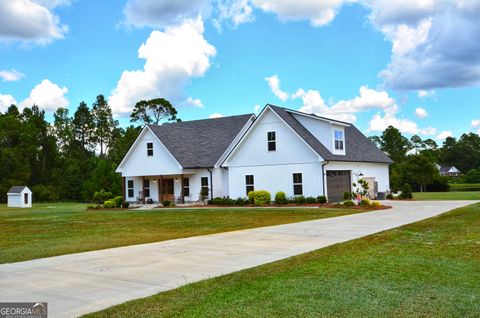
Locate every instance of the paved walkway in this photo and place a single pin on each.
(76, 284)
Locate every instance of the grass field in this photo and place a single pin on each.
(454, 195)
(56, 229)
(427, 269)
(465, 187)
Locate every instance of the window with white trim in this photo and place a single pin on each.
(149, 149)
(204, 183)
(339, 139)
(249, 183)
(272, 141)
(297, 184)
(130, 188)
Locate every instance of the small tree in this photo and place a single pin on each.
(406, 192)
(361, 189)
(153, 111)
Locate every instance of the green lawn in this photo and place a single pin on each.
(464, 186)
(455, 195)
(427, 269)
(56, 229)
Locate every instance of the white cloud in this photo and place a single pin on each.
(6, 101)
(444, 134)
(475, 123)
(160, 14)
(172, 59)
(256, 109)
(51, 4)
(235, 12)
(421, 112)
(317, 12)
(379, 123)
(195, 102)
(11, 75)
(423, 93)
(215, 115)
(29, 21)
(48, 96)
(274, 83)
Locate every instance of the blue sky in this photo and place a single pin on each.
(412, 64)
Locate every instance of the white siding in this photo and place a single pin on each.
(253, 151)
(220, 182)
(139, 164)
(277, 178)
(18, 200)
(379, 171)
(14, 201)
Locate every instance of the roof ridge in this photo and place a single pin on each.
(311, 114)
(197, 120)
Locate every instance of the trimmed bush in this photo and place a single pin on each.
(109, 204)
(300, 199)
(389, 196)
(406, 192)
(322, 199)
(364, 202)
(118, 201)
(101, 196)
(347, 196)
(166, 203)
(241, 202)
(348, 203)
(222, 201)
(310, 200)
(376, 204)
(281, 198)
(125, 205)
(260, 197)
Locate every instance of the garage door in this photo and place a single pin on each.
(338, 182)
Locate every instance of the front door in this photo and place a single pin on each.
(167, 190)
(338, 182)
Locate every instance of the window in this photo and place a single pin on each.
(249, 183)
(297, 184)
(186, 187)
(272, 144)
(146, 188)
(338, 139)
(204, 182)
(149, 149)
(130, 188)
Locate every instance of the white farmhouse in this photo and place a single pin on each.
(19, 197)
(280, 150)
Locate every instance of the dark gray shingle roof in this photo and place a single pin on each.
(358, 147)
(200, 143)
(16, 189)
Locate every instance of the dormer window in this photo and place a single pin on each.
(272, 141)
(339, 140)
(149, 149)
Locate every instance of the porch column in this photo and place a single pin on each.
(159, 190)
(123, 189)
(182, 189)
(143, 189)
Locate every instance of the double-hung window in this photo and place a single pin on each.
(272, 141)
(149, 149)
(204, 182)
(186, 187)
(249, 183)
(339, 139)
(130, 188)
(297, 184)
(146, 187)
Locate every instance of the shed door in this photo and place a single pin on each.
(25, 198)
(338, 182)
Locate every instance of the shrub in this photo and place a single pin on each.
(118, 201)
(43, 193)
(125, 205)
(241, 202)
(90, 207)
(364, 202)
(406, 192)
(280, 198)
(300, 199)
(101, 196)
(438, 184)
(310, 200)
(348, 203)
(166, 203)
(222, 201)
(322, 199)
(260, 197)
(376, 204)
(347, 196)
(204, 194)
(389, 196)
(109, 204)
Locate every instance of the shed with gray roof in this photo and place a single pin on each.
(19, 197)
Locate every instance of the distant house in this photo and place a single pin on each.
(19, 197)
(278, 150)
(448, 171)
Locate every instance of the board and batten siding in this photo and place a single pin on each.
(139, 164)
(379, 171)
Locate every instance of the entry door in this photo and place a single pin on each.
(338, 182)
(167, 189)
(25, 198)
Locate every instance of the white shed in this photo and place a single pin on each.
(19, 197)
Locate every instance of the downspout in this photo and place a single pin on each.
(211, 183)
(324, 176)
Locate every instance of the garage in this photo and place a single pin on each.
(338, 182)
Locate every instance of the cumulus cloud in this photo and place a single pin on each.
(6, 101)
(421, 112)
(215, 115)
(172, 59)
(160, 14)
(30, 22)
(274, 84)
(256, 109)
(444, 134)
(475, 123)
(423, 93)
(11, 75)
(48, 96)
(195, 102)
(233, 12)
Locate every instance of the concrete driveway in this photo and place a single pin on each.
(80, 283)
